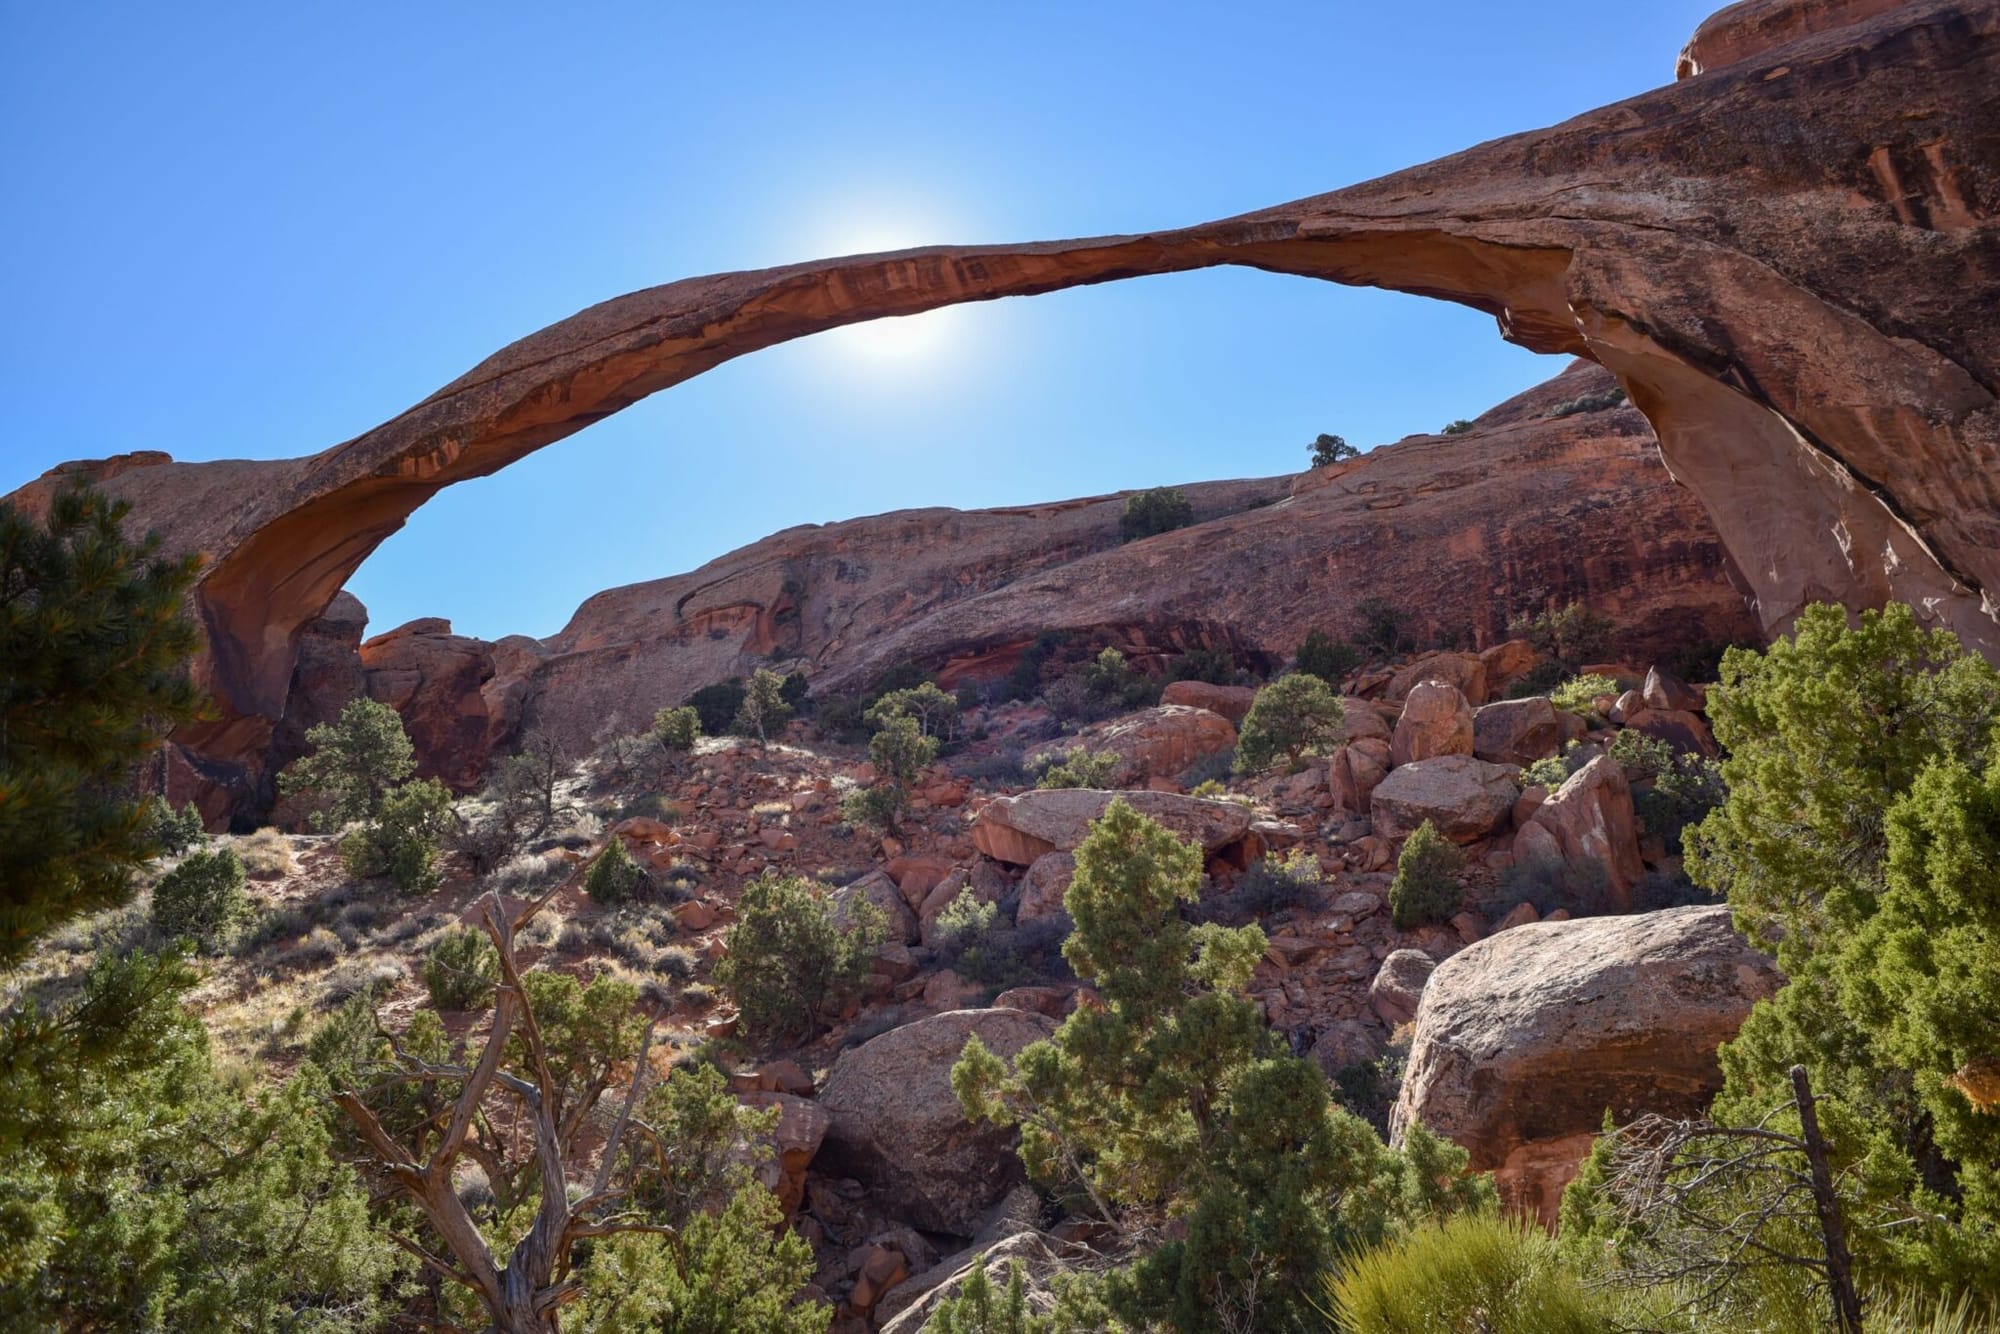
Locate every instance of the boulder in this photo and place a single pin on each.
(1465, 798)
(1354, 771)
(802, 1126)
(1152, 743)
(1670, 694)
(1507, 663)
(1043, 887)
(1464, 670)
(1684, 731)
(877, 888)
(911, 1304)
(1516, 731)
(1399, 985)
(897, 1127)
(1592, 820)
(1524, 1039)
(1021, 829)
(1436, 720)
(1232, 702)
(1359, 719)
(1346, 1042)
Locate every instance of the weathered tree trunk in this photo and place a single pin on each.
(1839, 1265)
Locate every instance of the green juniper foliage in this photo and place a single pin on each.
(400, 839)
(1426, 888)
(1149, 513)
(94, 645)
(202, 900)
(1294, 716)
(354, 764)
(1173, 1098)
(790, 964)
(614, 878)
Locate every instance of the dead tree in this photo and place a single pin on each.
(1705, 1204)
(523, 1292)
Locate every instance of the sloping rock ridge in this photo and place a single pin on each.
(1789, 260)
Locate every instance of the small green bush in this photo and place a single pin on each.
(1275, 884)
(1384, 627)
(1475, 1271)
(1216, 666)
(1294, 716)
(1610, 398)
(1077, 768)
(1150, 513)
(614, 878)
(1572, 636)
(203, 900)
(1459, 427)
(1330, 449)
(401, 840)
(1552, 771)
(1426, 887)
(1579, 693)
(461, 968)
(964, 920)
(677, 730)
(790, 964)
(173, 831)
(1327, 658)
(874, 807)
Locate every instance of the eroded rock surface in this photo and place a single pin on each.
(1524, 1039)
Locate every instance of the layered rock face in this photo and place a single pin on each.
(1526, 1038)
(1789, 261)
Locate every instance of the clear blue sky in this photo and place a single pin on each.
(257, 230)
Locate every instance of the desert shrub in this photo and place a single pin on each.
(1475, 1271)
(1077, 768)
(1583, 887)
(528, 874)
(266, 855)
(173, 831)
(1459, 427)
(202, 900)
(1149, 513)
(765, 707)
(676, 962)
(790, 964)
(461, 968)
(875, 807)
(1293, 717)
(1274, 884)
(934, 712)
(1327, 658)
(1579, 693)
(715, 705)
(1330, 449)
(355, 762)
(614, 878)
(900, 752)
(1384, 628)
(1572, 636)
(1216, 666)
(1426, 887)
(1369, 1088)
(1598, 402)
(401, 840)
(676, 731)
(963, 920)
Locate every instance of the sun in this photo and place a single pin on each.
(898, 341)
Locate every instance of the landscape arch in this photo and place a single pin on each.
(1790, 263)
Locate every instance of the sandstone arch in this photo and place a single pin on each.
(1791, 262)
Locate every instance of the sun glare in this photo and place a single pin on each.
(898, 341)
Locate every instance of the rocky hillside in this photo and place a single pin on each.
(1528, 509)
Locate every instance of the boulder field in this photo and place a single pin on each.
(1786, 258)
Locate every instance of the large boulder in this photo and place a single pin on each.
(795, 1139)
(1023, 828)
(1436, 720)
(877, 888)
(898, 1129)
(1153, 743)
(1516, 731)
(1465, 798)
(1044, 886)
(1592, 819)
(1664, 690)
(1679, 728)
(1354, 770)
(1399, 985)
(1232, 702)
(1464, 670)
(1524, 1039)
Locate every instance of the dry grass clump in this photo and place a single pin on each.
(266, 855)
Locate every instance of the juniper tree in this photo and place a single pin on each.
(354, 763)
(1293, 717)
(765, 708)
(94, 646)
